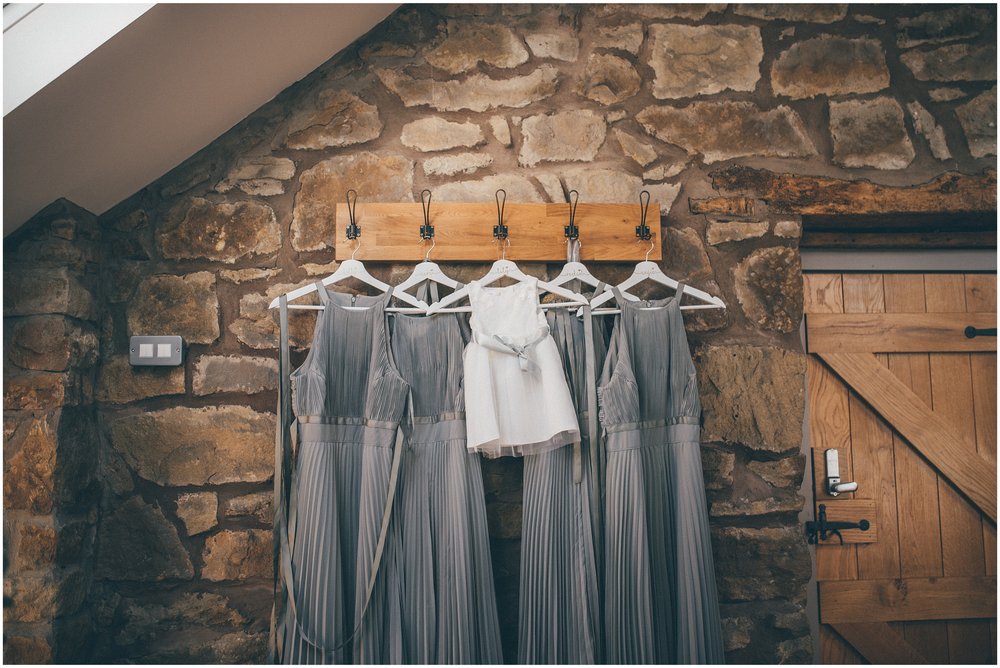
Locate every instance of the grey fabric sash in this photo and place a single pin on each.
(502, 344)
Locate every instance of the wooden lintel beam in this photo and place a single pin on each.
(949, 193)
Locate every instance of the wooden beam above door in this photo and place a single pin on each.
(897, 332)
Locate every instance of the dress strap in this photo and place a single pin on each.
(679, 292)
(388, 295)
(619, 297)
(324, 297)
(283, 583)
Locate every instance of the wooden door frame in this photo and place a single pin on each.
(818, 261)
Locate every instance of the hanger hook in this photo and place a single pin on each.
(427, 255)
(644, 204)
(500, 230)
(650, 248)
(504, 246)
(426, 203)
(353, 231)
(357, 245)
(572, 231)
(642, 230)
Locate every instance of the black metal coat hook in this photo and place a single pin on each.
(642, 229)
(572, 231)
(500, 230)
(426, 230)
(823, 528)
(972, 332)
(353, 231)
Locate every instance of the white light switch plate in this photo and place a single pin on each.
(156, 351)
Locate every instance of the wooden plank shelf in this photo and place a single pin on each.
(464, 232)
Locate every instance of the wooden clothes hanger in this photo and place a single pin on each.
(504, 268)
(351, 268)
(650, 271)
(427, 270)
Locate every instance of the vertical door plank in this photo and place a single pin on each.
(829, 427)
(981, 296)
(961, 527)
(834, 650)
(916, 481)
(824, 293)
(829, 424)
(871, 447)
(863, 293)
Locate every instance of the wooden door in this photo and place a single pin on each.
(910, 403)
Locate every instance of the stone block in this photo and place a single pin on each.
(18, 649)
(33, 290)
(634, 148)
(704, 60)
(978, 119)
(724, 130)
(43, 597)
(810, 13)
(955, 62)
(387, 50)
(756, 564)
(943, 25)
(258, 505)
(556, 44)
(752, 395)
(693, 11)
(256, 168)
(603, 185)
(36, 543)
(248, 275)
(628, 37)
(460, 163)
(788, 229)
(197, 446)
(743, 507)
(501, 130)
(796, 650)
(137, 543)
(769, 288)
(257, 326)
(830, 65)
(238, 555)
(785, 473)
(437, 134)
(52, 343)
(341, 119)
(221, 232)
(608, 79)
(870, 133)
(661, 172)
(376, 177)
(29, 467)
(684, 255)
(186, 305)
(945, 94)
(231, 373)
(119, 382)
(39, 390)
(145, 621)
(198, 511)
(519, 189)
(561, 137)
(924, 123)
(719, 232)
(478, 92)
(238, 647)
(468, 44)
(717, 467)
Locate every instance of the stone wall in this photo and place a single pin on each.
(51, 308)
(539, 99)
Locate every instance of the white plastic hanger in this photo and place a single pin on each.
(505, 268)
(650, 271)
(351, 268)
(427, 270)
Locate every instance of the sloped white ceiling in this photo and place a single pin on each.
(157, 92)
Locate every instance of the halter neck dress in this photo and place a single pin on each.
(447, 604)
(348, 401)
(661, 603)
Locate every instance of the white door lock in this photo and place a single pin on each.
(833, 485)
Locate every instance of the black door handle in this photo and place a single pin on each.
(972, 332)
(822, 527)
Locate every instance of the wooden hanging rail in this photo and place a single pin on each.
(464, 232)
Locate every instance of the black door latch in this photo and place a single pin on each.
(824, 528)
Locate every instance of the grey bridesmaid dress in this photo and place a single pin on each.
(441, 564)
(661, 602)
(348, 401)
(560, 616)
